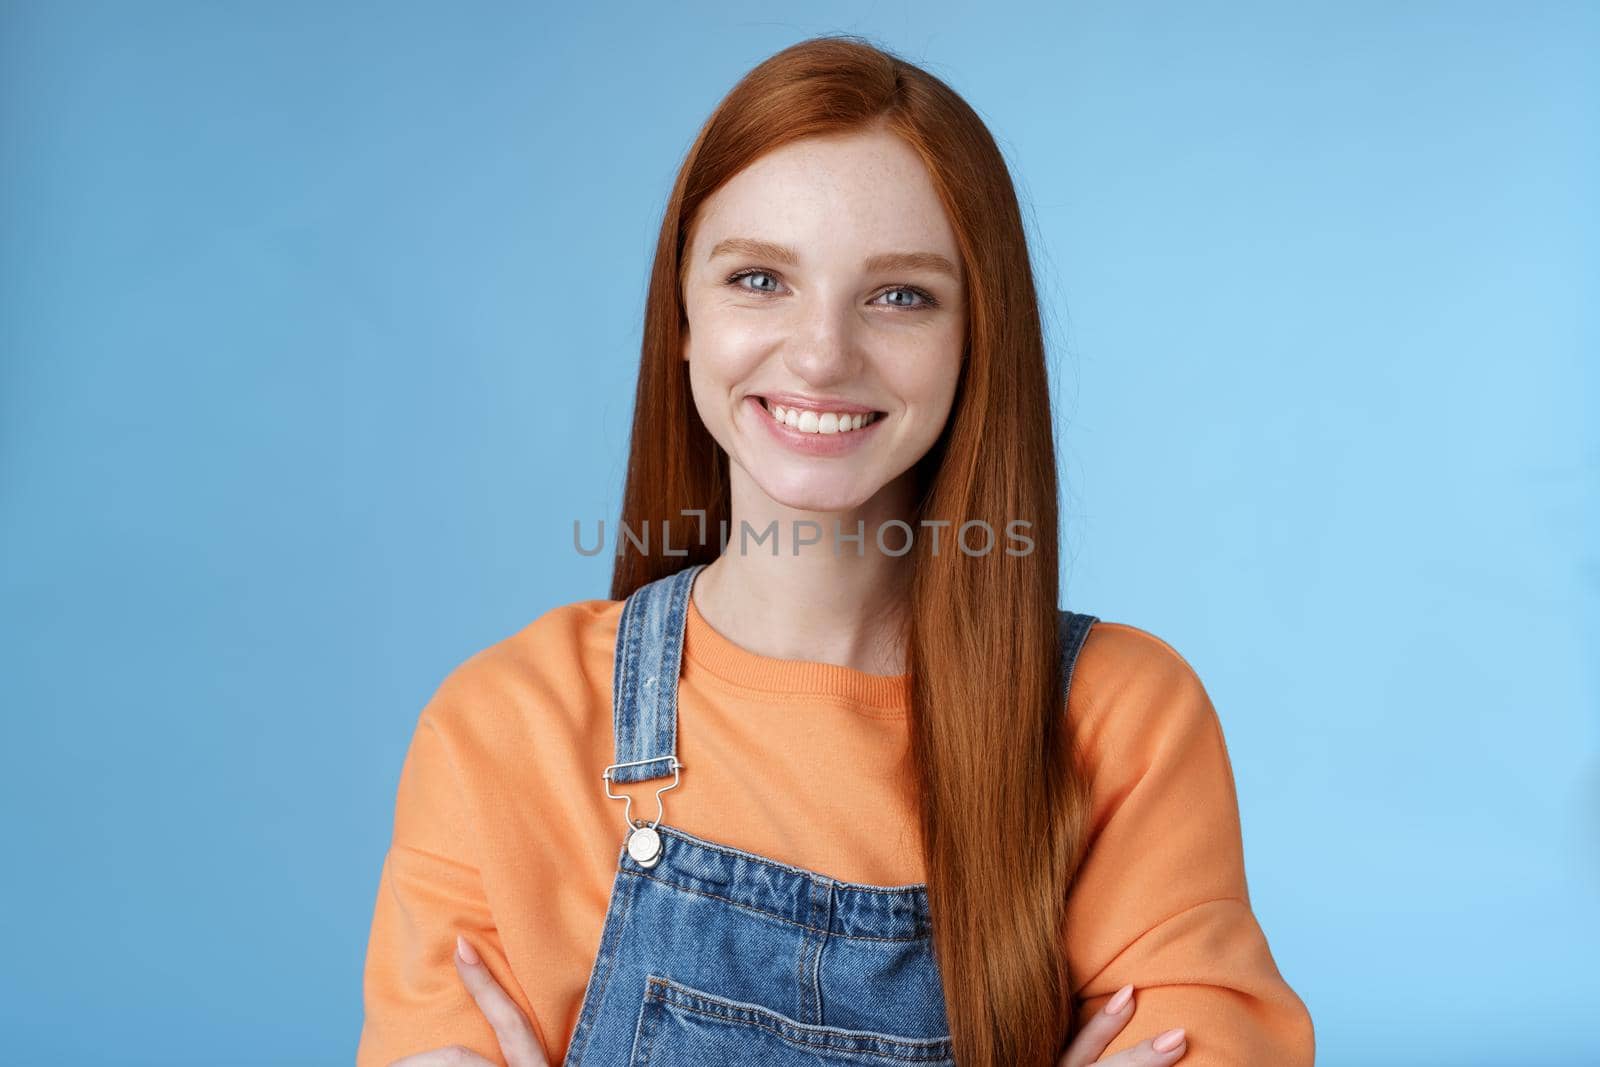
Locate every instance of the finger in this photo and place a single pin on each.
(518, 1043)
(1159, 1051)
(453, 1056)
(1091, 1041)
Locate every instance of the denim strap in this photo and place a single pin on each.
(644, 678)
(1074, 629)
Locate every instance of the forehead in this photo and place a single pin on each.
(851, 194)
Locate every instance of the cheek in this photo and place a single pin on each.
(712, 385)
(705, 390)
(723, 355)
(925, 374)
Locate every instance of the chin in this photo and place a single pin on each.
(829, 498)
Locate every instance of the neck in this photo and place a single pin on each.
(844, 606)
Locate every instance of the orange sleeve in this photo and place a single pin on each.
(1160, 900)
(428, 891)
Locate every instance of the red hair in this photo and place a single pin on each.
(1003, 795)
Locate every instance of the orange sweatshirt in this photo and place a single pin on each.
(503, 831)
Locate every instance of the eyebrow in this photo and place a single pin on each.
(885, 261)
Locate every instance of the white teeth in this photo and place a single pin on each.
(811, 422)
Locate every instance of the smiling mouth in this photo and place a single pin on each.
(806, 420)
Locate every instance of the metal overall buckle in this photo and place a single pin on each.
(644, 842)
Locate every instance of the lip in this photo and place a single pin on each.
(812, 444)
(819, 404)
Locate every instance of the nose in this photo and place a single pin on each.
(825, 350)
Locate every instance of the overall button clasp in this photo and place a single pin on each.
(643, 839)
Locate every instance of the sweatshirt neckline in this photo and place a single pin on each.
(719, 656)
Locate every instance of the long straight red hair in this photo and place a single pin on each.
(1003, 796)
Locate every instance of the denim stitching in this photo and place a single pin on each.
(910, 1050)
(915, 889)
(774, 916)
(589, 1014)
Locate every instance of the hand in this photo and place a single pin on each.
(1106, 1024)
(518, 1044)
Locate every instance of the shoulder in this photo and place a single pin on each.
(547, 671)
(1133, 690)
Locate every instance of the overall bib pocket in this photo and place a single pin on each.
(680, 1026)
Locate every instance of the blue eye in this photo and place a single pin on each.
(927, 299)
(737, 278)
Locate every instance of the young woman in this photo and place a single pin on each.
(829, 778)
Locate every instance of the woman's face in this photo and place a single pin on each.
(825, 274)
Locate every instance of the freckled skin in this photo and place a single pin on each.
(825, 326)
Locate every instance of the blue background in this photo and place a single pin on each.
(320, 326)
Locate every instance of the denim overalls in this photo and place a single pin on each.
(712, 955)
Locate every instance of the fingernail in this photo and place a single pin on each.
(1120, 1000)
(1168, 1041)
(467, 953)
